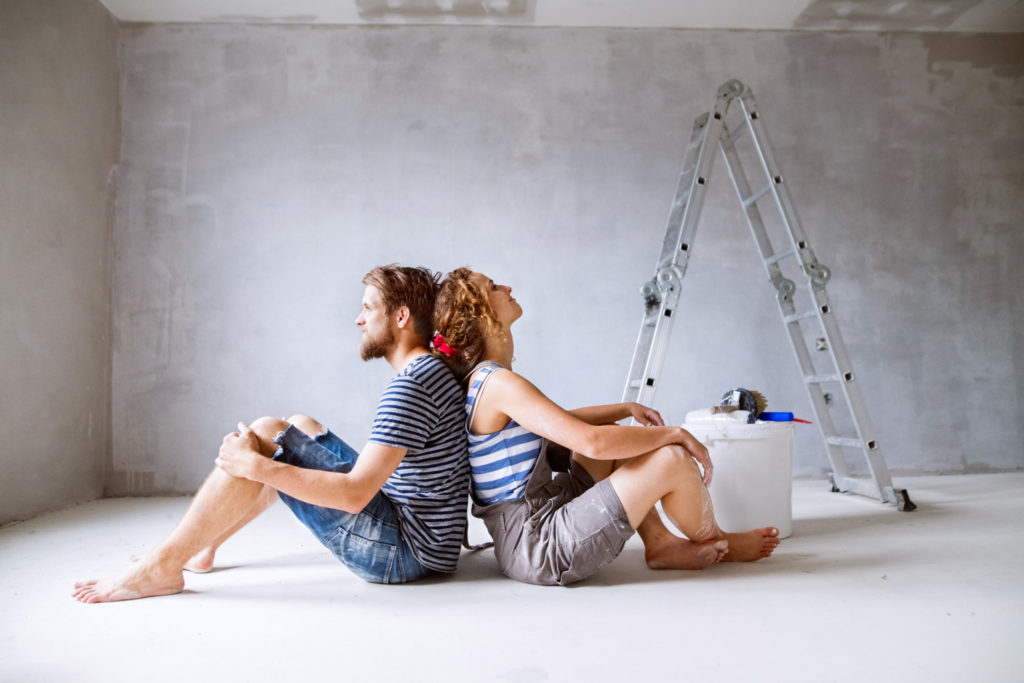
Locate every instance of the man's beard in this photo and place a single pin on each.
(376, 347)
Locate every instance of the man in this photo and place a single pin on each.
(394, 512)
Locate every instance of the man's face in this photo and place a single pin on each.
(378, 337)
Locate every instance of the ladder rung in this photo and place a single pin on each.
(747, 201)
(775, 258)
(843, 441)
(797, 317)
(821, 379)
(735, 135)
(635, 384)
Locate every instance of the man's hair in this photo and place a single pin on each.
(464, 317)
(404, 286)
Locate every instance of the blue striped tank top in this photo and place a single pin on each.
(500, 463)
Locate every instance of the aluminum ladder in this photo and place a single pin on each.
(661, 293)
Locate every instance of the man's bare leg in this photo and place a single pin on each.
(671, 475)
(662, 548)
(219, 505)
(202, 562)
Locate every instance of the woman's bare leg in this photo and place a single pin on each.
(670, 475)
(662, 548)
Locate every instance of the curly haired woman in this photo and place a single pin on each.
(561, 528)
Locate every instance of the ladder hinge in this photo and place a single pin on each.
(819, 275)
(785, 288)
(733, 89)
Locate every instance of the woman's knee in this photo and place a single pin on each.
(674, 462)
(306, 425)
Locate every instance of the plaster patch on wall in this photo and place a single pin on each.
(438, 9)
(882, 15)
(1003, 54)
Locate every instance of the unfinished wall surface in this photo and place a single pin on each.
(59, 138)
(265, 169)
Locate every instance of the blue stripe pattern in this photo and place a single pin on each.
(500, 463)
(421, 411)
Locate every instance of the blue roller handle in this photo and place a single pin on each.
(776, 417)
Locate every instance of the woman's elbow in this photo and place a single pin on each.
(595, 445)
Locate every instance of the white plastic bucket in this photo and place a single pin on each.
(752, 481)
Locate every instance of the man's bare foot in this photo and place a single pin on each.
(200, 563)
(140, 581)
(753, 545)
(672, 552)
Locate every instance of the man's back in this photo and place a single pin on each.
(422, 410)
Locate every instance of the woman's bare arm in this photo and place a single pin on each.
(613, 412)
(517, 398)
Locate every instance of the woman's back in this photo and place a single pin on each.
(500, 462)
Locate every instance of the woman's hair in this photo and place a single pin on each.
(464, 317)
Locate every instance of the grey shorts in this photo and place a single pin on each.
(561, 531)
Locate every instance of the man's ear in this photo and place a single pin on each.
(403, 317)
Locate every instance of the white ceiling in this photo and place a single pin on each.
(1003, 16)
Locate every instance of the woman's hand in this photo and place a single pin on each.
(644, 415)
(699, 453)
(240, 453)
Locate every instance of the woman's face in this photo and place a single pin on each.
(505, 308)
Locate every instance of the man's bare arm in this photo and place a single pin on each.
(348, 491)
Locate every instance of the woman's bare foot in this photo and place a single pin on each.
(200, 563)
(672, 552)
(753, 545)
(142, 580)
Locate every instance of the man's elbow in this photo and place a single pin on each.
(354, 506)
(356, 501)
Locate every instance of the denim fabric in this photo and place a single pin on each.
(369, 543)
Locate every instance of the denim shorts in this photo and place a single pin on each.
(370, 543)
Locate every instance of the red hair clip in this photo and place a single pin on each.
(441, 345)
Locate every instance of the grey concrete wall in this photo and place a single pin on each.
(265, 169)
(59, 139)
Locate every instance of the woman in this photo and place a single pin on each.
(561, 529)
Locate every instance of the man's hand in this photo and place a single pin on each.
(644, 415)
(240, 453)
(699, 453)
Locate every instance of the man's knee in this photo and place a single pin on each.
(307, 425)
(267, 428)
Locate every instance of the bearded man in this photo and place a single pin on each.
(392, 513)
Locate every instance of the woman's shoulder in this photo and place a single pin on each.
(499, 379)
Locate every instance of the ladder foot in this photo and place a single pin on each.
(903, 502)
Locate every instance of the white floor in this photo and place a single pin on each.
(860, 592)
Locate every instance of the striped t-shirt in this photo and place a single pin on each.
(421, 411)
(500, 463)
